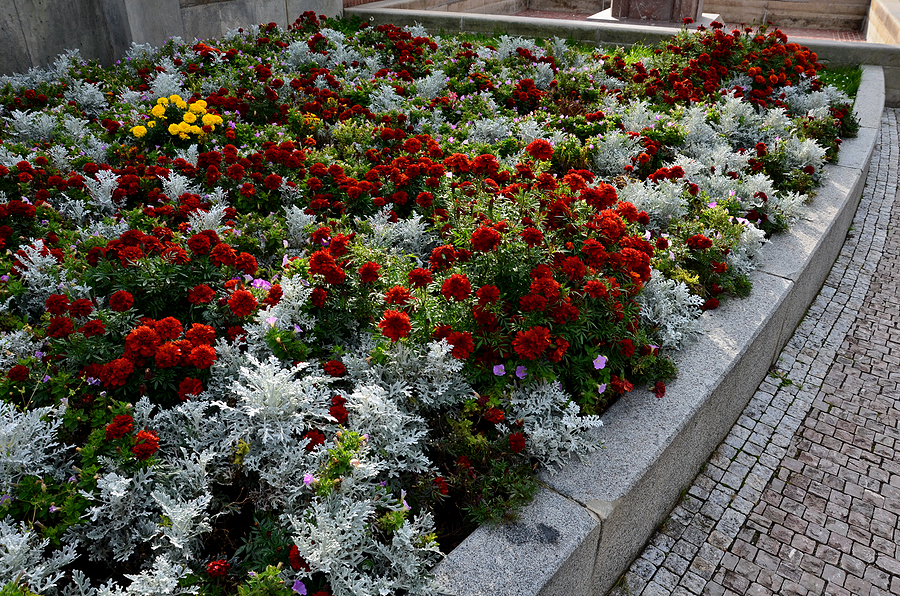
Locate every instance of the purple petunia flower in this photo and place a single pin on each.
(499, 370)
(600, 362)
(521, 372)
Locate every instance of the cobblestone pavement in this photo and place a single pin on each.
(803, 496)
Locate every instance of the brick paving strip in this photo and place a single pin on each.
(803, 496)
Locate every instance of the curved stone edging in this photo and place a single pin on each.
(590, 520)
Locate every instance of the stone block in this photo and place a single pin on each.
(153, 21)
(48, 31)
(869, 102)
(549, 550)
(15, 56)
(205, 20)
(330, 8)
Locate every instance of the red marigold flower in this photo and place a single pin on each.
(129, 255)
(337, 409)
(217, 568)
(574, 268)
(146, 443)
(189, 386)
(425, 199)
(456, 286)
(81, 308)
(318, 297)
(199, 244)
(18, 373)
(394, 325)
(120, 426)
(315, 437)
(272, 182)
(56, 304)
(91, 328)
(297, 562)
(487, 294)
(517, 442)
(369, 272)
(485, 239)
(611, 225)
(168, 355)
(559, 351)
(621, 385)
(338, 245)
(142, 341)
(627, 348)
(335, 368)
(398, 295)
(320, 262)
(202, 356)
(603, 196)
(443, 257)
(419, 277)
(532, 343)
(546, 287)
(441, 485)
(659, 389)
(274, 295)
(115, 373)
(710, 304)
(247, 263)
(223, 254)
(462, 344)
(60, 327)
(718, 267)
(540, 149)
(168, 328)
(494, 416)
(532, 302)
(201, 294)
(121, 301)
(595, 289)
(200, 334)
(532, 237)
(699, 242)
(242, 303)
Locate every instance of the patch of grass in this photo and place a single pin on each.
(845, 78)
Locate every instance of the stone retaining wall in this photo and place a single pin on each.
(34, 32)
(884, 22)
(810, 14)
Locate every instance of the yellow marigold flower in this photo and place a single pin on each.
(158, 111)
(198, 107)
(218, 119)
(162, 101)
(208, 120)
(151, 124)
(184, 127)
(190, 117)
(184, 136)
(182, 105)
(173, 129)
(139, 131)
(175, 98)
(196, 130)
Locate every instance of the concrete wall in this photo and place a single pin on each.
(812, 14)
(34, 32)
(884, 22)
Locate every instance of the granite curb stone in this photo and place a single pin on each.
(654, 448)
(824, 494)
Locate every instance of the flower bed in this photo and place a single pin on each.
(285, 310)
